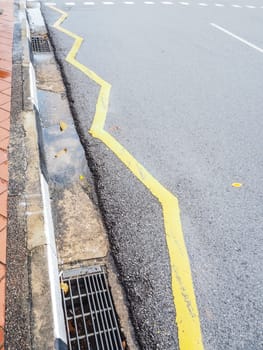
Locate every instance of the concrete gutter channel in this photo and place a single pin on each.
(59, 187)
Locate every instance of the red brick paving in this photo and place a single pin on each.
(6, 42)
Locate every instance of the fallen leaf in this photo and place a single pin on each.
(71, 328)
(63, 126)
(64, 286)
(236, 184)
(64, 150)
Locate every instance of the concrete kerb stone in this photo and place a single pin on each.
(46, 313)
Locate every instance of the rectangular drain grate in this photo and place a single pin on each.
(40, 44)
(88, 309)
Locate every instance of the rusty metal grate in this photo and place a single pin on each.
(88, 309)
(40, 44)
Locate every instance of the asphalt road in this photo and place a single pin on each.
(186, 102)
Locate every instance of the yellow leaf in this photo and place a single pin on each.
(236, 184)
(64, 287)
(63, 126)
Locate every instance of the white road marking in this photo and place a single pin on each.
(90, 3)
(237, 37)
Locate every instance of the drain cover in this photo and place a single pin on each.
(40, 44)
(88, 309)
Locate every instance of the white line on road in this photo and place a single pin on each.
(184, 3)
(237, 37)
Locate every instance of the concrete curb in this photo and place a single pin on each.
(47, 319)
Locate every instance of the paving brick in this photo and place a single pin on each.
(3, 187)
(3, 115)
(2, 302)
(6, 106)
(4, 144)
(3, 236)
(4, 98)
(5, 124)
(4, 85)
(6, 79)
(3, 223)
(2, 271)
(4, 51)
(7, 91)
(4, 41)
(3, 134)
(7, 35)
(3, 157)
(4, 64)
(2, 338)
(3, 204)
(4, 171)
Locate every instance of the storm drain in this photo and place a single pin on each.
(88, 309)
(40, 44)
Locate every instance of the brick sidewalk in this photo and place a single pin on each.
(6, 41)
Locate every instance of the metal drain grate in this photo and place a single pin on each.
(89, 312)
(40, 44)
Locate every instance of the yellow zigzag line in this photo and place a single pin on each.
(187, 318)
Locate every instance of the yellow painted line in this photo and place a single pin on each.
(187, 317)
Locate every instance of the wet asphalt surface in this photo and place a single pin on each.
(186, 101)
